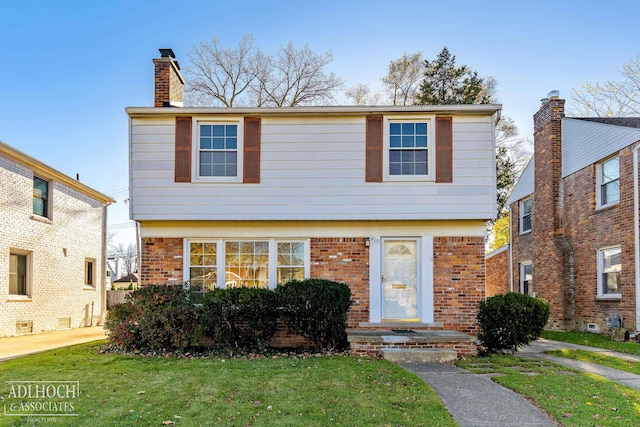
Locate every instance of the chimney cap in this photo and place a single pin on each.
(166, 53)
(553, 94)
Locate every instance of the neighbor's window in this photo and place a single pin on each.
(290, 261)
(242, 263)
(218, 150)
(609, 268)
(89, 272)
(408, 148)
(526, 278)
(18, 279)
(608, 178)
(525, 215)
(40, 197)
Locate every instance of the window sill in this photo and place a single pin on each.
(613, 297)
(41, 219)
(88, 288)
(19, 298)
(525, 232)
(603, 208)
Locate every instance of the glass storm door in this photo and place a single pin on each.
(400, 279)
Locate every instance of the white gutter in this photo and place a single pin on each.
(510, 252)
(636, 233)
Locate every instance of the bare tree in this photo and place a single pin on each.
(360, 94)
(127, 256)
(297, 77)
(403, 78)
(219, 76)
(245, 76)
(611, 98)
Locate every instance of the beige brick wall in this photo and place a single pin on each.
(57, 250)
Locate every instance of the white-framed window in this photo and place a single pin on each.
(409, 153)
(41, 197)
(218, 155)
(259, 263)
(526, 278)
(90, 272)
(19, 274)
(608, 182)
(525, 215)
(609, 269)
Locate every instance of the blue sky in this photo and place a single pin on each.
(69, 68)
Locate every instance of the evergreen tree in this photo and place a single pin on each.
(445, 83)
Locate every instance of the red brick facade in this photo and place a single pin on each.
(498, 272)
(344, 260)
(568, 230)
(161, 261)
(458, 281)
(459, 271)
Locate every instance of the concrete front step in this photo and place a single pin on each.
(418, 355)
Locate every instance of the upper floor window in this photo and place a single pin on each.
(408, 153)
(18, 274)
(525, 215)
(219, 151)
(40, 197)
(609, 269)
(608, 182)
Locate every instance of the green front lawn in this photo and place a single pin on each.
(593, 340)
(126, 390)
(571, 397)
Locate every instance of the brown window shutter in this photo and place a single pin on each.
(444, 149)
(251, 150)
(374, 149)
(183, 149)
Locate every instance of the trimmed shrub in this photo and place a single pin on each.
(317, 310)
(239, 317)
(510, 321)
(155, 317)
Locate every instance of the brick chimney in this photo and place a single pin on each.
(552, 250)
(168, 82)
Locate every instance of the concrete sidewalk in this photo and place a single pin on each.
(11, 347)
(535, 351)
(473, 400)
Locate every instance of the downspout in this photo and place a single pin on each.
(510, 252)
(103, 279)
(636, 236)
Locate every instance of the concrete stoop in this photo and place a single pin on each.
(411, 345)
(418, 355)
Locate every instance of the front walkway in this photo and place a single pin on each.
(22, 345)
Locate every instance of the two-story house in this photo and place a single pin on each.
(52, 248)
(391, 200)
(574, 220)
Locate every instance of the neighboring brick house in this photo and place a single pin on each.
(574, 220)
(391, 200)
(498, 271)
(52, 248)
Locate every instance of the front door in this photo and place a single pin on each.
(400, 280)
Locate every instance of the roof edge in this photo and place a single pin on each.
(308, 111)
(38, 166)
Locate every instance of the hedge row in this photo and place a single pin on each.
(160, 317)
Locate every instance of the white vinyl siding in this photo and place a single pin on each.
(312, 169)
